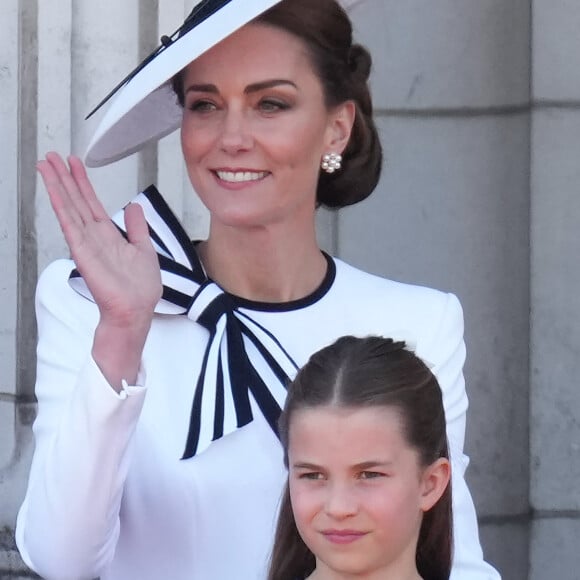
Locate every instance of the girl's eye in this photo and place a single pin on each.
(273, 105)
(314, 475)
(371, 475)
(202, 106)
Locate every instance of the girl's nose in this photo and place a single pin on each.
(236, 135)
(340, 502)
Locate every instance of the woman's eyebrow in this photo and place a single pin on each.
(203, 88)
(253, 88)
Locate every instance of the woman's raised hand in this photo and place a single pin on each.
(122, 275)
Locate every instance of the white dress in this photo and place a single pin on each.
(109, 494)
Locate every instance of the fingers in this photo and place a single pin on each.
(79, 174)
(73, 187)
(77, 208)
(66, 214)
(70, 191)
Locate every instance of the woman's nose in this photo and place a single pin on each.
(341, 501)
(236, 134)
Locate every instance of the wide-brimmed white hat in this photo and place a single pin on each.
(145, 107)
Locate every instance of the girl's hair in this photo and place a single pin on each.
(343, 69)
(371, 372)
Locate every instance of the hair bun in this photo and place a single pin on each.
(360, 61)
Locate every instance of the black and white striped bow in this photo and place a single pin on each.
(241, 356)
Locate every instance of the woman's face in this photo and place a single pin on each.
(255, 127)
(357, 490)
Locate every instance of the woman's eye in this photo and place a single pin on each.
(273, 105)
(202, 106)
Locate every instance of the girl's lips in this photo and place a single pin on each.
(343, 536)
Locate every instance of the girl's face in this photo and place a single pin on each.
(358, 491)
(255, 127)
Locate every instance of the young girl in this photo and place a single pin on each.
(368, 492)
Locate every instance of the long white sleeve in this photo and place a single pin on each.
(83, 437)
(445, 351)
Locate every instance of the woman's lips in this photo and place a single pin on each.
(240, 175)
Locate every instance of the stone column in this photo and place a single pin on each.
(8, 234)
(17, 261)
(555, 307)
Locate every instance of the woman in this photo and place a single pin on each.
(156, 454)
(368, 492)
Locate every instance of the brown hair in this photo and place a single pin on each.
(343, 68)
(368, 372)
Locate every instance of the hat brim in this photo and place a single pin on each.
(146, 108)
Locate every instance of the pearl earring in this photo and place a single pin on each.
(331, 162)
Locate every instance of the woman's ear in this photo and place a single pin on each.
(434, 482)
(340, 124)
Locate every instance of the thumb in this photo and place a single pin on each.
(136, 225)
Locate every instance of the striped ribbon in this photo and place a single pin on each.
(242, 359)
